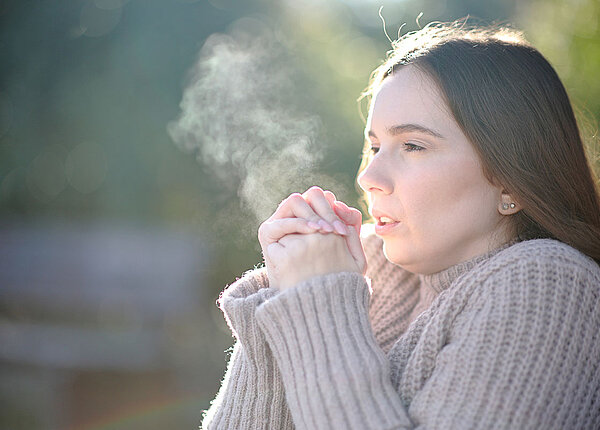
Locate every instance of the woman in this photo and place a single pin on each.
(483, 308)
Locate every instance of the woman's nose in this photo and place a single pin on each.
(374, 178)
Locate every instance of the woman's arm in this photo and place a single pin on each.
(319, 332)
(252, 394)
(334, 373)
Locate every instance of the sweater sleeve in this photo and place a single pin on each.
(523, 353)
(252, 394)
(334, 372)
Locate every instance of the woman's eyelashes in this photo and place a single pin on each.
(410, 147)
(407, 147)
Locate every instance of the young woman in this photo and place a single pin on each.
(480, 307)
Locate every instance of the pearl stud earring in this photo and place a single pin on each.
(505, 206)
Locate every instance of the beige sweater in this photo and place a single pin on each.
(508, 340)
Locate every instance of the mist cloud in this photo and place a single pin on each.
(239, 116)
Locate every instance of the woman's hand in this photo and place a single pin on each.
(314, 211)
(299, 257)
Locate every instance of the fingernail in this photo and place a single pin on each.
(340, 228)
(313, 225)
(325, 226)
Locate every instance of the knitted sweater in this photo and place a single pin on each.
(507, 340)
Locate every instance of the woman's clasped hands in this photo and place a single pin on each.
(309, 235)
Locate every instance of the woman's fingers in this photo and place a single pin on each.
(322, 203)
(274, 230)
(321, 210)
(296, 207)
(348, 215)
(330, 197)
(356, 249)
(314, 206)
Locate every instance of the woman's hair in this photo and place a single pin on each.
(511, 105)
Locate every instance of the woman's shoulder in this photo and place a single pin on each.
(534, 281)
(542, 262)
(547, 250)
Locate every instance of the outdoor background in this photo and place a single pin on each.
(142, 142)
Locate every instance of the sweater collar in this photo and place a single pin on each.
(442, 280)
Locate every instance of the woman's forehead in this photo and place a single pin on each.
(408, 96)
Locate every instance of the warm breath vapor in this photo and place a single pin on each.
(238, 116)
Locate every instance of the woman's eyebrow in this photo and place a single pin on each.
(407, 128)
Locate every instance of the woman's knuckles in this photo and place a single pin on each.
(314, 191)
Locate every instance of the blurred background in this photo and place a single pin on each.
(142, 142)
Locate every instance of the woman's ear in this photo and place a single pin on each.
(508, 205)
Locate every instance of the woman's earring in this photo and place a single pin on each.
(505, 206)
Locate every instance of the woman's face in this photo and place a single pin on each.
(433, 206)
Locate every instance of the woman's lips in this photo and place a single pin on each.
(385, 225)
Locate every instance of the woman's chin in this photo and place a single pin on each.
(409, 261)
(395, 255)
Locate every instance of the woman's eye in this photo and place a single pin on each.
(410, 147)
(374, 150)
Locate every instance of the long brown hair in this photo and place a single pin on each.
(513, 108)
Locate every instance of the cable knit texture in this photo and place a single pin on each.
(507, 340)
